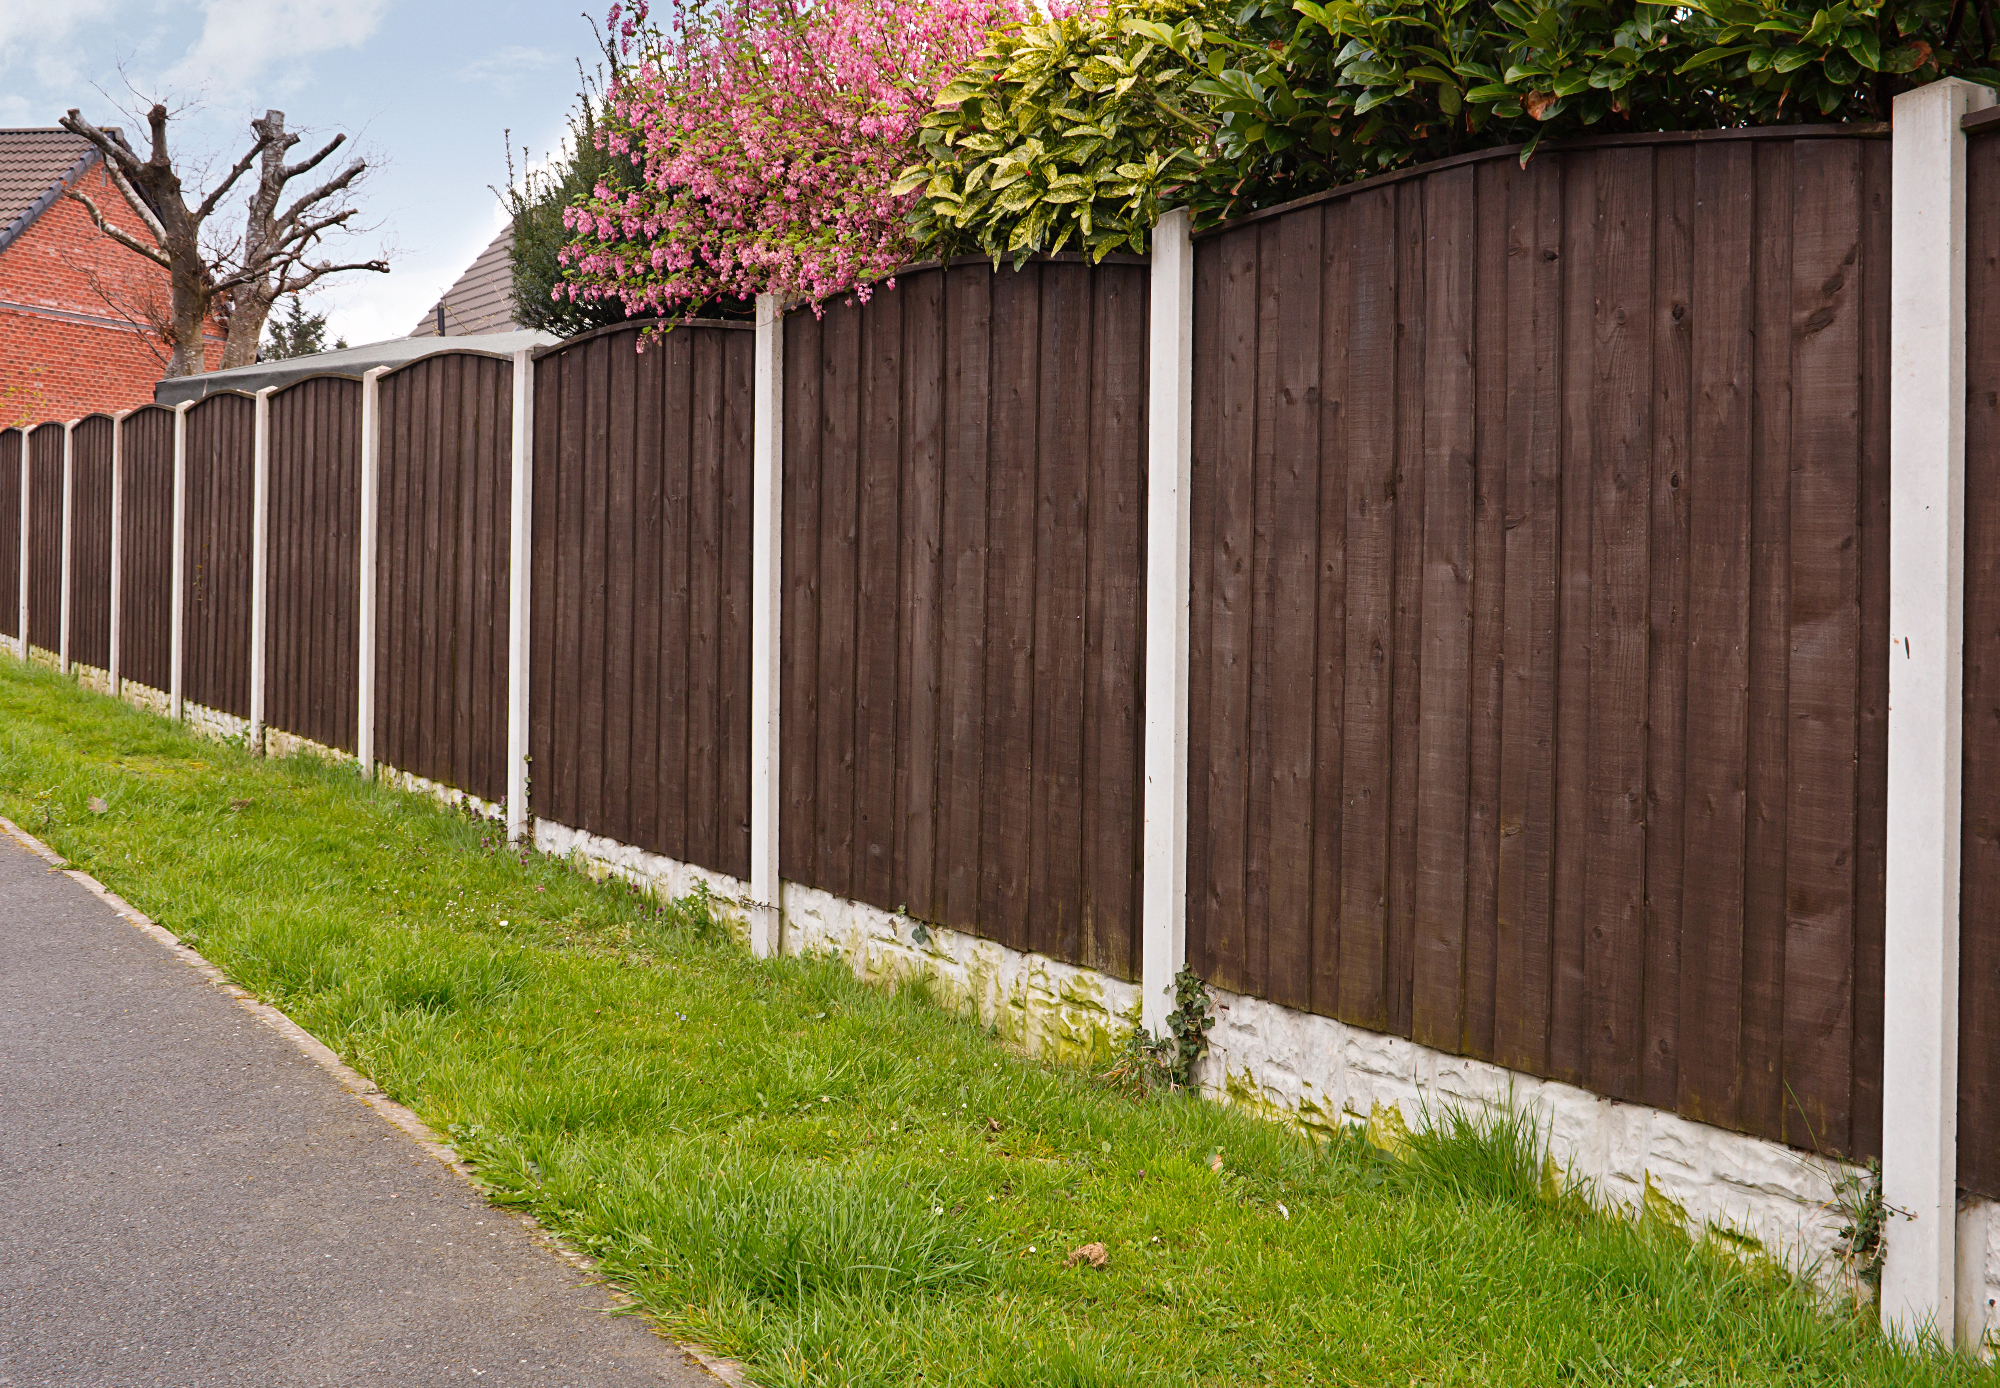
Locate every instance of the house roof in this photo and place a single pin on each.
(35, 166)
(348, 361)
(482, 299)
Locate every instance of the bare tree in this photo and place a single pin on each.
(237, 280)
(277, 245)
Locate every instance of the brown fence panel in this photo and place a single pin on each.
(641, 703)
(11, 443)
(1539, 618)
(215, 654)
(146, 547)
(1979, 913)
(964, 570)
(441, 571)
(90, 542)
(45, 522)
(315, 536)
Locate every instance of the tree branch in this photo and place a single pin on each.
(337, 183)
(292, 171)
(123, 238)
(287, 285)
(242, 167)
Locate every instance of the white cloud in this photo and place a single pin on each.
(241, 40)
(505, 64)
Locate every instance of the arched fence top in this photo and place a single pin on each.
(635, 325)
(1854, 130)
(289, 387)
(433, 358)
(232, 393)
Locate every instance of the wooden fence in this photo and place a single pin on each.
(215, 593)
(315, 510)
(90, 541)
(441, 634)
(146, 547)
(963, 526)
(45, 528)
(11, 445)
(1538, 616)
(641, 697)
(1540, 619)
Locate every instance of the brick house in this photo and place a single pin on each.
(74, 304)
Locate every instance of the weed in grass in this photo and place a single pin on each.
(841, 1185)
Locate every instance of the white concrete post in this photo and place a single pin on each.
(520, 557)
(767, 582)
(21, 616)
(364, 662)
(177, 625)
(112, 673)
(68, 544)
(1926, 705)
(1169, 472)
(260, 565)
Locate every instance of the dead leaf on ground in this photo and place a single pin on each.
(97, 805)
(239, 804)
(1215, 1163)
(1093, 1253)
(992, 1125)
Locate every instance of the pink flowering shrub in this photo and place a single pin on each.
(763, 137)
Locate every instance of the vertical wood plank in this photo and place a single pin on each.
(840, 403)
(1667, 630)
(1336, 288)
(1620, 498)
(1491, 347)
(878, 474)
(1568, 1047)
(1060, 580)
(962, 632)
(1718, 640)
(1006, 835)
(705, 561)
(1443, 732)
(1113, 725)
(647, 770)
(1231, 498)
(1979, 909)
(1770, 602)
(1824, 656)
(799, 713)
(1406, 669)
(1872, 733)
(1372, 503)
(1293, 567)
(918, 804)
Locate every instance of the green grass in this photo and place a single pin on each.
(840, 1185)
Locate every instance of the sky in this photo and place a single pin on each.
(423, 91)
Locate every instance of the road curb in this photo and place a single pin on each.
(726, 1370)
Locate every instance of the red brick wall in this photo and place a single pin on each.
(65, 350)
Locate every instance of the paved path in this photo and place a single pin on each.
(186, 1200)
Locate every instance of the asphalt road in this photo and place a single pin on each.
(187, 1200)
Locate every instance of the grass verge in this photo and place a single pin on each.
(840, 1185)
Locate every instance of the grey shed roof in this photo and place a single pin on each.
(351, 361)
(482, 299)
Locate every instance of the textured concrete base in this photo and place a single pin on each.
(1318, 1073)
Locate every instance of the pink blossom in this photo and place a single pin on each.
(766, 136)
